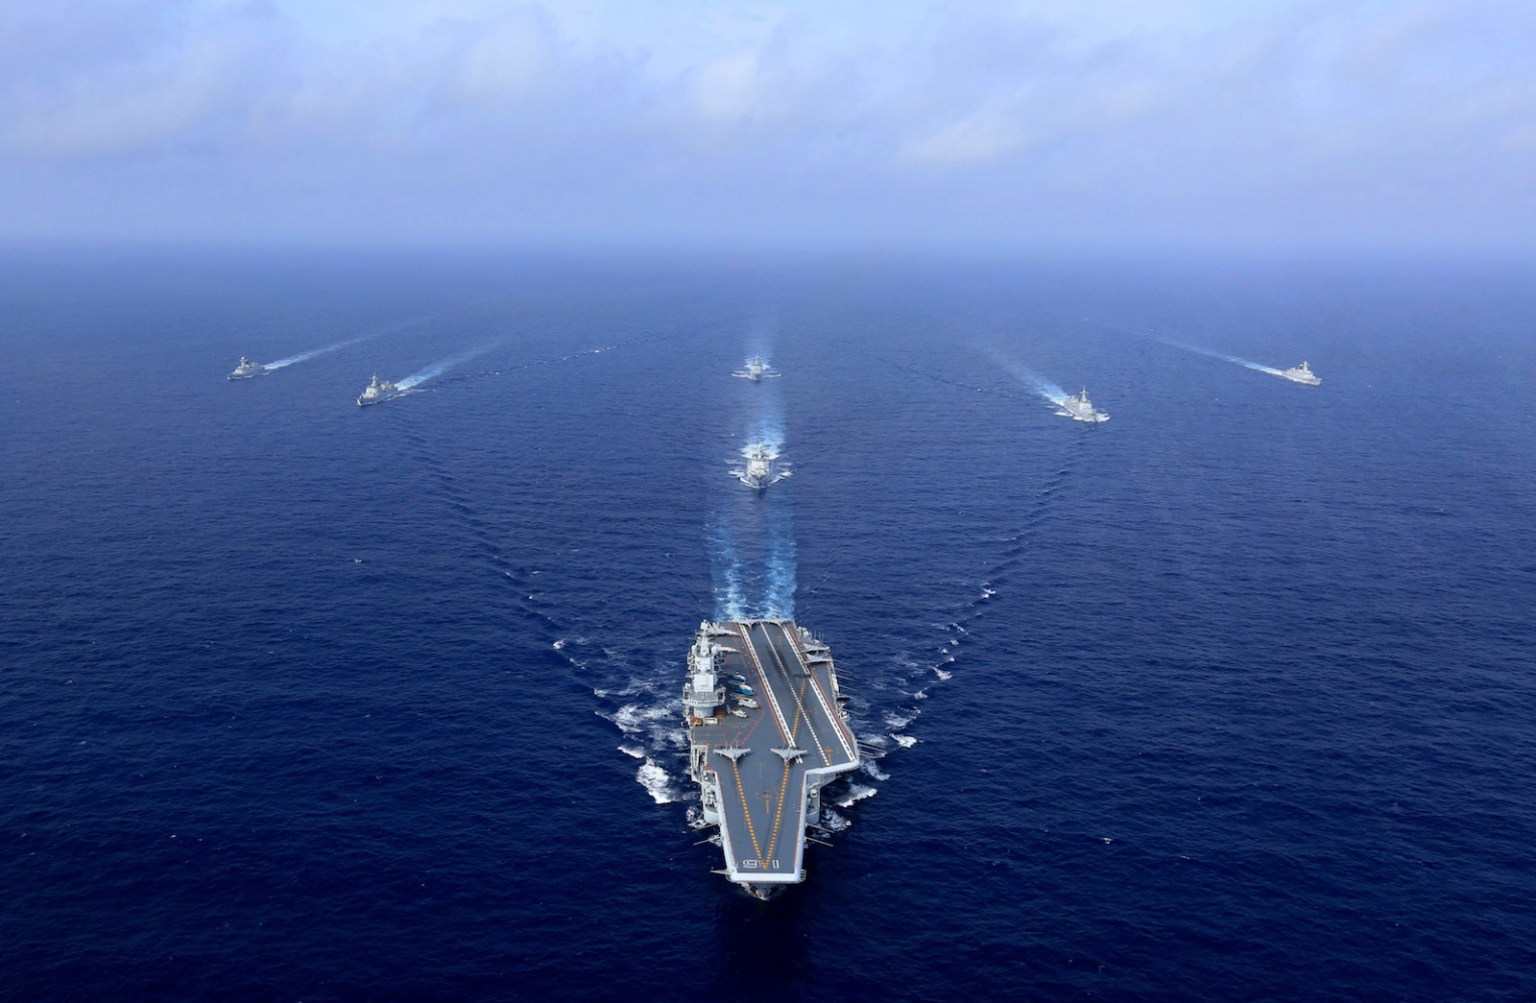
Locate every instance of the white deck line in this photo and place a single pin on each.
(838, 724)
(762, 677)
(833, 717)
(810, 722)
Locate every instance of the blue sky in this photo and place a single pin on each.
(1122, 124)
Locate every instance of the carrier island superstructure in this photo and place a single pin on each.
(766, 732)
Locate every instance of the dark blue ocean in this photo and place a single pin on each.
(1232, 697)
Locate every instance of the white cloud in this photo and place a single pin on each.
(510, 59)
(728, 89)
(148, 90)
(844, 116)
(981, 136)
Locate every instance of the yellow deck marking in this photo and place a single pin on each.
(784, 784)
(779, 813)
(751, 831)
(790, 739)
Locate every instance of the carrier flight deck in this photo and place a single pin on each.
(766, 732)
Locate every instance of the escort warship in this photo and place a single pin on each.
(378, 391)
(1078, 408)
(762, 467)
(247, 369)
(1302, 374)
(756, 370)
(766, 731)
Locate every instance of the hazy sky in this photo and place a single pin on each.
(993, 123)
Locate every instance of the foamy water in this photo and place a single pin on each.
(442, 366)
(1233, 359)
(314, 353)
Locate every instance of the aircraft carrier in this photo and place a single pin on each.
(766, 732)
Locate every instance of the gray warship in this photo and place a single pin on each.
(762, 469)
(757, 370)
(1079, 408)
(378, 391)
(766, 731)
(1302, 374)
(247, 369)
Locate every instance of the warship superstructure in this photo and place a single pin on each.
(766, 731)
(757, 370)
(1078, 408)
(378, 391)
(247, 369)
(1302, 374)
(762, 467)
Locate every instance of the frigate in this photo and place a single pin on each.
(247, 369)
(762, 467)
(1302, 374)
(766, 731)
(756, 370)
(378, 391)
(1078, 408)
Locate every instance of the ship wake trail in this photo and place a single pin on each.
(884, 712)
(312, 353)
(442, 366)
(643, 704)
(1257, 367)
(1039, 384)
(754, 567)
(768, 429)
(780, 566)
(725, 572)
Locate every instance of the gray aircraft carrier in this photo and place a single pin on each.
(766, 733)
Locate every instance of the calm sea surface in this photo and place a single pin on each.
(1230, 698)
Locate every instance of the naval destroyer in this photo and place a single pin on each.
(247, 369)
(1302, 374)
(378, 391)
(762, 467)
(1078, 408)
(757, 370)
(766, 731)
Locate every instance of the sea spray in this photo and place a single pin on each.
(442, 366)
(312, 353)
(726, 572)
(1235, 360)
(1029, 378)
(751, 538)
(766, 433)
(780, 566)
(731, 601)
(1046, 389)
(765, 423)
